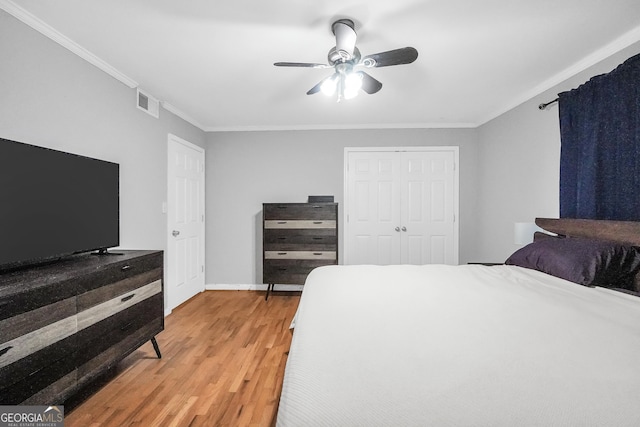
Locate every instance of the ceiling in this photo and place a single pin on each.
(211, 62)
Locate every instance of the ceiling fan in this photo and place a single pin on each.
(345, 58)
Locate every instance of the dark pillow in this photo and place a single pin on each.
(584, 261)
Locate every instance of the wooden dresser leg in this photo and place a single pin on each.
(155, 347)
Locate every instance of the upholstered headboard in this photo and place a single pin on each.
(627, 232)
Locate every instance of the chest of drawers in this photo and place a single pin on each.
(297, 237)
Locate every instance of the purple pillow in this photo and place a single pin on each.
(584, 261)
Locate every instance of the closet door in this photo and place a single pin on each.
(427, 208)
(373, 185)
(401, 206)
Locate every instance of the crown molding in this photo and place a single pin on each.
(364, 126)
(48, 31)
(184, 116)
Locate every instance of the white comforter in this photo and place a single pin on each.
(468, 345)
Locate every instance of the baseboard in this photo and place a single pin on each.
(249, 287)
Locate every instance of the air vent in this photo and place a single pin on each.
(148, 103)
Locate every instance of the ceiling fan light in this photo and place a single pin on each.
(329, 87)
(352, 83)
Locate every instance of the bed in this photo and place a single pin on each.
(472, 345)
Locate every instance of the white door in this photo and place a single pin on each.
(428, 208)
(401, 206)
(185, 221)
(373, 206)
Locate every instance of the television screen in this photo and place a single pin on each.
(54, 204)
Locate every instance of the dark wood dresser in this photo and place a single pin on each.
(297, 237)
(64, 324)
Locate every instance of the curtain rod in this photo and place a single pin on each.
(546, 104)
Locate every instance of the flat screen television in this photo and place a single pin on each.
(54, 204)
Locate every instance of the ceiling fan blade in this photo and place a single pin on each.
(405, 55)
(301, 64)
(315, 89)
(345, 37)
(369, 84)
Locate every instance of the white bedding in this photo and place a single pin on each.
(468, 345)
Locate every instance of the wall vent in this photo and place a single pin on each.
(148, 103)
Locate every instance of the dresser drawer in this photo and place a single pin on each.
(121, 270)
(287, 271)
(107, 359)
(300, 224)
(301, 255)
(114, 305)
(309, 211)
(24, 377)
(25, 296)
(293, 239)
(129, 284)
(23, 346)
(47, 368)
(31, 330)
(106, 333)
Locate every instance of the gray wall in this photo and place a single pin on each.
(245, 169)
(519, 154)
(52, 98)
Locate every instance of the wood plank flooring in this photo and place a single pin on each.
(223, 358)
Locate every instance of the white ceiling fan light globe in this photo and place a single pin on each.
(352, 85)
(329, 87)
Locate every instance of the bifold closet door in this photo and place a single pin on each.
(400, 207)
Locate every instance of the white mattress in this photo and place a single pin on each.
(469, 345)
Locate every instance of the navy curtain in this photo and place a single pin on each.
(600, 149)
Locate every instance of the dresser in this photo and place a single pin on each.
(297, 237)
(64, 324)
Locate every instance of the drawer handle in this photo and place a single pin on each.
(127, 326)
(317, 207)
(317, 253)
(282, 238)
(5, 350)
(125, 268)
(282, 253)
(317, 222)
(318, 238)
(282, 269)
(282, 222)
(127, 298)
(282, 207)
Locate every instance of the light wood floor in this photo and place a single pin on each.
(223, 358)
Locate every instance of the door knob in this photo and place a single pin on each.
(404, 228)
(175, 233)
(397, 228)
